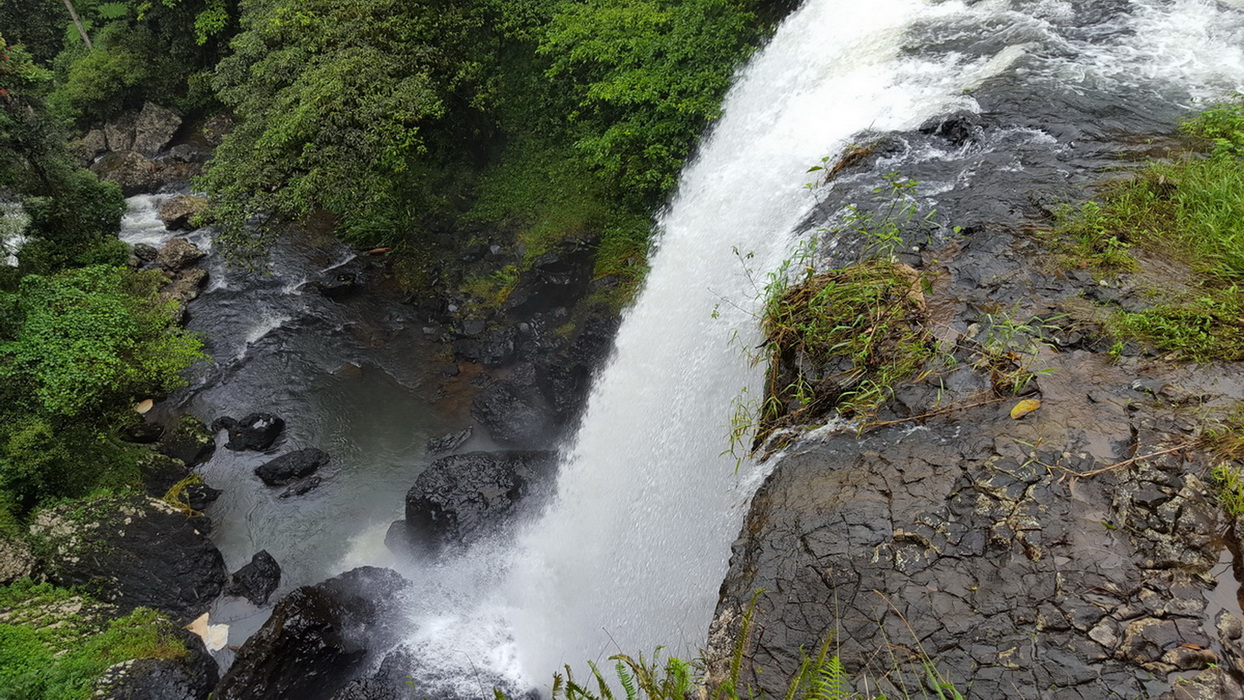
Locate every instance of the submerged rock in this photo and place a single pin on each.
(462, 498)
(257, 580)
(318, 637)
(132, 551)
(257, 431)
(291, 467)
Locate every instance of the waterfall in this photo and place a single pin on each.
(630, 554)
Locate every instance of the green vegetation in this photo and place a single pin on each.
(1190, 211)
(81, 338)
(1225, 443)
(556, 120)
(55, 643)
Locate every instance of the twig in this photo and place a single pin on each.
(1126, 462)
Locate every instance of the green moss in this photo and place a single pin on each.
(55, 643)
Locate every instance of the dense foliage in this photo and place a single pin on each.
(401, 118)
(81, 336)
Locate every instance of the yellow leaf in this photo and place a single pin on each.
(1025, 407)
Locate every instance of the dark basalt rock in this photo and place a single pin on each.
(495, 348)
(462, 498)
(557, 278)
(290, 467)
(200, 496)
(448, 443)
(339, 286)
(317, 638)
(189, 678)
(145, 252)
(142, 432)
(132, 551)
(189, 442)
(257, 580)
(958, 128)
(256, 431)
(302, 487)
(404, 674)
(514, 411)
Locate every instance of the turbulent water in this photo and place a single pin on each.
(630, 554)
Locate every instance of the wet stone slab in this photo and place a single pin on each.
(966, 540)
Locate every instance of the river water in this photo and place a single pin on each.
(630, 554)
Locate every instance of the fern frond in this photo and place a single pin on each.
(627, 681)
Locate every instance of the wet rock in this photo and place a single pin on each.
(318, 637)
(462, 498)
(16, 560)
(189, 441)
(178, 254)
(200, 496)
(559, 277)
(514, 410)
(404, 673)
(293, 466)
(495, 348)
(340, 286)
(257, 431)
(132, 551)
(448, 443)
(302, 487)
(185, 286)
(257, 580)
(154, 128)
(161, 472)
(188, 678)
(145, 252)
(134, 172)
(180, 212)
(958, 128)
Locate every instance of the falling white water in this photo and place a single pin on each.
(629, 555)
(647, 502)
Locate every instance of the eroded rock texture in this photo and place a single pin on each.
(967, 540)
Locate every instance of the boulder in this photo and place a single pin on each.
(257, 580)
(257, 431)
(189, 678)
(180, 212)
(514, 410)
(200, 496)
(177, 255)
(154, 128)
(119, 133)
(189, 441)
(131, 551)
(145, 252)
(291, 467)
(318, 638)
(134, 172)
(462, 498)
(16, 560)
(407, 672)
(185, 286)
(88, 148)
